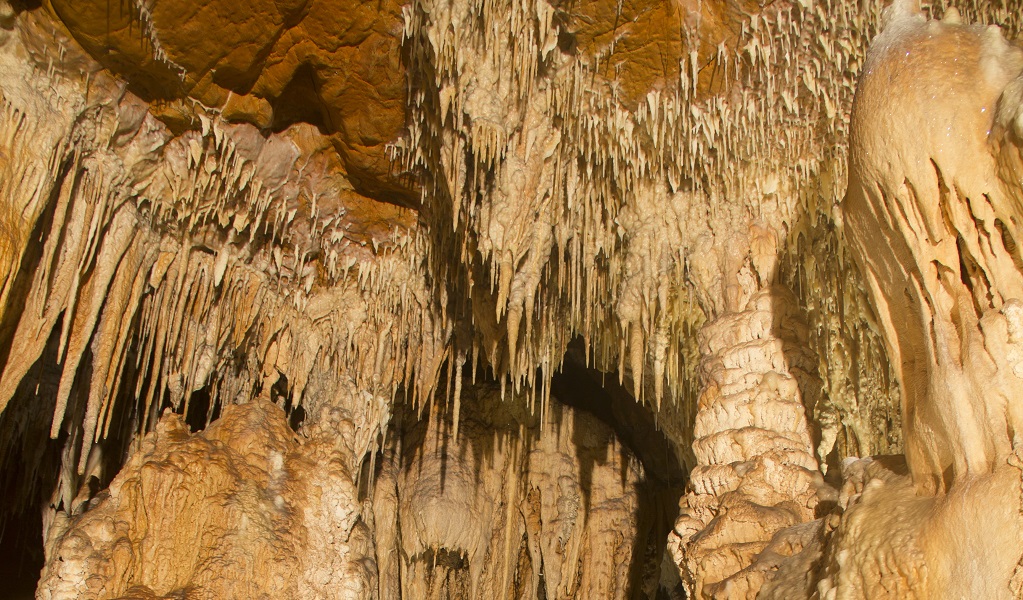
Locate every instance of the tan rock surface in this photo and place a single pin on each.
(923, 213)
(756, 475)
(514, 507)
(244, 509)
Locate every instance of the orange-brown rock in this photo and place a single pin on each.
(643, 44)
(191, 219)
(270, 63)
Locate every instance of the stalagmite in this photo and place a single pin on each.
(512, 508)
(276, 516)
(756, 474)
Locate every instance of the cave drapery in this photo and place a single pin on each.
(538, 300)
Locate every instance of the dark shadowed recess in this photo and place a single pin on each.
(600, 394)
(586, 390)
(29, 464)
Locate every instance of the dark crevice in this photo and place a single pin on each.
(978, 273)
(635, 426)
(600, 394)
(973, 277)
(29, 466)
(282, 395)
(202, 410)
(1010, 245)
(296, 417)
(300, 102)
(21, 553)
(632, 426)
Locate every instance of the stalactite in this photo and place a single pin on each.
(517, 234)
(125, 275)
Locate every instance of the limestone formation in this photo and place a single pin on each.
(537, 299)
(514, 508)
(243, 509)
(756, 474)
(932, 217)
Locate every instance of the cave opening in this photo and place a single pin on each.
(636, 426)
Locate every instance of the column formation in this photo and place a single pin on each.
(756, 473)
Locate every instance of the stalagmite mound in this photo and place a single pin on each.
(244, 509)
(532, 300)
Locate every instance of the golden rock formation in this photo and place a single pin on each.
(245, 509)
(451, 299)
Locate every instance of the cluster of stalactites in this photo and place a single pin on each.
(160, 266)
(556, 210)
(142, 14)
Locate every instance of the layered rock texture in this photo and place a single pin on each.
(244, 509)
(756, 474)
(533, 300)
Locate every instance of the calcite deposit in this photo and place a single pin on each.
(244, 509)
(515, 507)
(533, 300)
